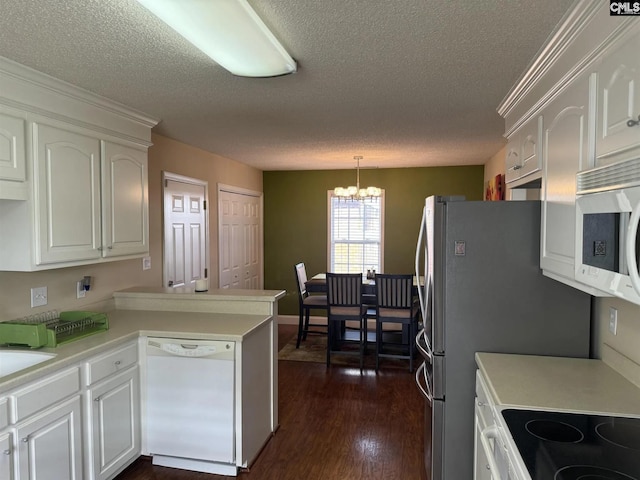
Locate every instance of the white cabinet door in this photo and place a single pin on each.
(6, 456)
(12, 147)
(513, 162)
(125, 202)
(114, 416)
(49, 446)
(523, 151)
(619, 102)
(67, 187)
(566, 151)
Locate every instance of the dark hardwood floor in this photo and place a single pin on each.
(335, 424)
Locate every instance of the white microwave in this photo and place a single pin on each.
(607, 237)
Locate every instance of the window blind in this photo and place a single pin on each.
(355, 235)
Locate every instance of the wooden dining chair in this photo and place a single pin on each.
(344, 298)
(307, 303)
(395, 305)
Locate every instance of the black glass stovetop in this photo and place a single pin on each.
(575, 446)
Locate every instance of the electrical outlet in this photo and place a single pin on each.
(613, 320)
(146, 263)
(80, 292)
(38, 296)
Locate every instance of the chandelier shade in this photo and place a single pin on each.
(354, 192)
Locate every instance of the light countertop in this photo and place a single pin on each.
(555, 383)
(211, 294)
(127, 325)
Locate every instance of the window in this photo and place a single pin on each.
(355, 234)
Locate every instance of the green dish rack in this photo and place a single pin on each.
(47, 330)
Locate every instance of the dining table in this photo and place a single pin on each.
(318, 284)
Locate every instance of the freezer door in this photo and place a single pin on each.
(434, 440)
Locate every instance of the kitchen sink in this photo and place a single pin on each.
(12, 361)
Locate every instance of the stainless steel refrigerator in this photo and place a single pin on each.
(483, 291)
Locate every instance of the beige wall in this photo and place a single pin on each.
(627, 338)
(165, 154)
(494, 165)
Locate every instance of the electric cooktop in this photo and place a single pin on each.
(575, 446)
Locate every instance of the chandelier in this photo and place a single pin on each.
(355, 192)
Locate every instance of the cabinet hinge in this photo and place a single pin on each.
(166, 183)
(206, 273)
(204, 202)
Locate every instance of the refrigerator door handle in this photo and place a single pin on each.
(425, 390)
(425, 352)
(419, 248)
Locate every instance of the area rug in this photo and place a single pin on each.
(314, 350)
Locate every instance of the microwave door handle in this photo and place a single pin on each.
(630, 248)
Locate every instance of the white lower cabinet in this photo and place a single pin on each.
(6, 456)
(112, 413)
(49, 445)
(48, 433)
(113, 418)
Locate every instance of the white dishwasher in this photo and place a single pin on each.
(190, 404)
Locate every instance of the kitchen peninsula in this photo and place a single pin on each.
(95, 380)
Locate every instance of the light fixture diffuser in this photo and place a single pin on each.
(228, 31)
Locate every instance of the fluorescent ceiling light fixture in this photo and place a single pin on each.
(228, 31)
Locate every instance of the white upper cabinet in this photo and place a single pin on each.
(618, 118)
(580, 92)
(79, 194)
(523, 159)
(12, 155)
(566, 151)
(67, 180)
(125, 217)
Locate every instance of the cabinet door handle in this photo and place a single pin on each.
(633, 123)
(117, 362)
(7, 452)
(110, 247)
(25, 440)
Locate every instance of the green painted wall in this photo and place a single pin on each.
(295, 216)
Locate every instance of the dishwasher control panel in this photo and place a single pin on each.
(219, 349)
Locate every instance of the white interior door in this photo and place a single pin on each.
(240, 238)
(185, 230)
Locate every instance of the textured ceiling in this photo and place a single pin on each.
(401, 82)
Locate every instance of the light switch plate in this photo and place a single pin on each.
(80, 292)
(613, 320)
(38, 297)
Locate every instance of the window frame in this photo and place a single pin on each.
(330, 196)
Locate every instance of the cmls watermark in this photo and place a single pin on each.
(624, 8)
